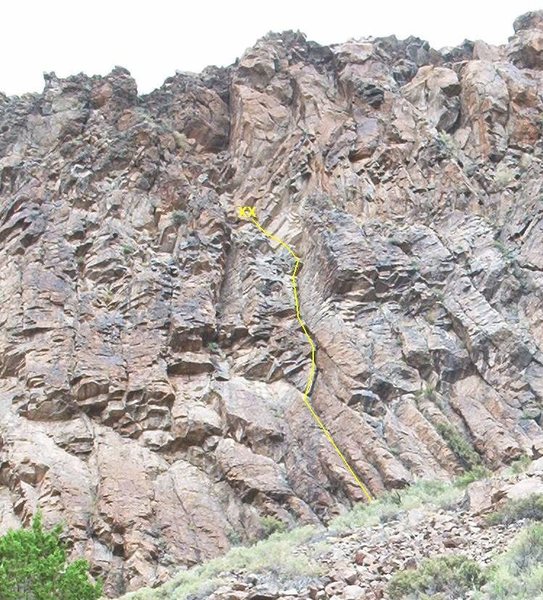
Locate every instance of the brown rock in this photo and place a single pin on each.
(526, 49)
(263, 593)
(353, 592)
(336, 587)
(529, 20)
(536, 467)
(360, 557)
(452, 542)
(435, 92)
(350, 576)
(524, 488)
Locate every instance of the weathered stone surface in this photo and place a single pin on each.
(526, 47)
(480, 496)
(435, 91)
(151, 363)
(525, 488)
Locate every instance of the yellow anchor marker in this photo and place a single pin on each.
(249, 212)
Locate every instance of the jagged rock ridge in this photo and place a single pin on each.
(152, 366)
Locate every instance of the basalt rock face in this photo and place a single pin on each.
(152, 367)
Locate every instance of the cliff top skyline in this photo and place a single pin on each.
(154, 43)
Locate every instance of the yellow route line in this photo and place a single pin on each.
(249, 212)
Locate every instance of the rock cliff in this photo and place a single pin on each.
(152, 367)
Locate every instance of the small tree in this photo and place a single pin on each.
(33, 566)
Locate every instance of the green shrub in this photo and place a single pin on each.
(179, 217)
(530, 507)
(520, 465)
(504, 176)
(429, 492)
(515, 575)
(428, 391)
(128, 249)
(448, 143)
(271, 525)
(33, 566)
(390, 505)
(234, 537)
(452, 576)
(506, 252)
(458, 444)
(518, 574)
(365, 515)
(478, 472)
(389, 512)
(527, 551)
(181, 141)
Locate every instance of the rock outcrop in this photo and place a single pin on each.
(152, 367)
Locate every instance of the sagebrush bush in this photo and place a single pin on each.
(389, 506)
(520, 465)
(518, 574)
(527, 552)
(448, 143)
(179, 217)
(504, 176)
(34, 566)
(271, 525)
(530, 507)
(459, 445)
(452, 576)
(478, 472)
(234, 538)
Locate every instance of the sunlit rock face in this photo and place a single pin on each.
(152, 366)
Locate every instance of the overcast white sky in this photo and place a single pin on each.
(153, 39)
